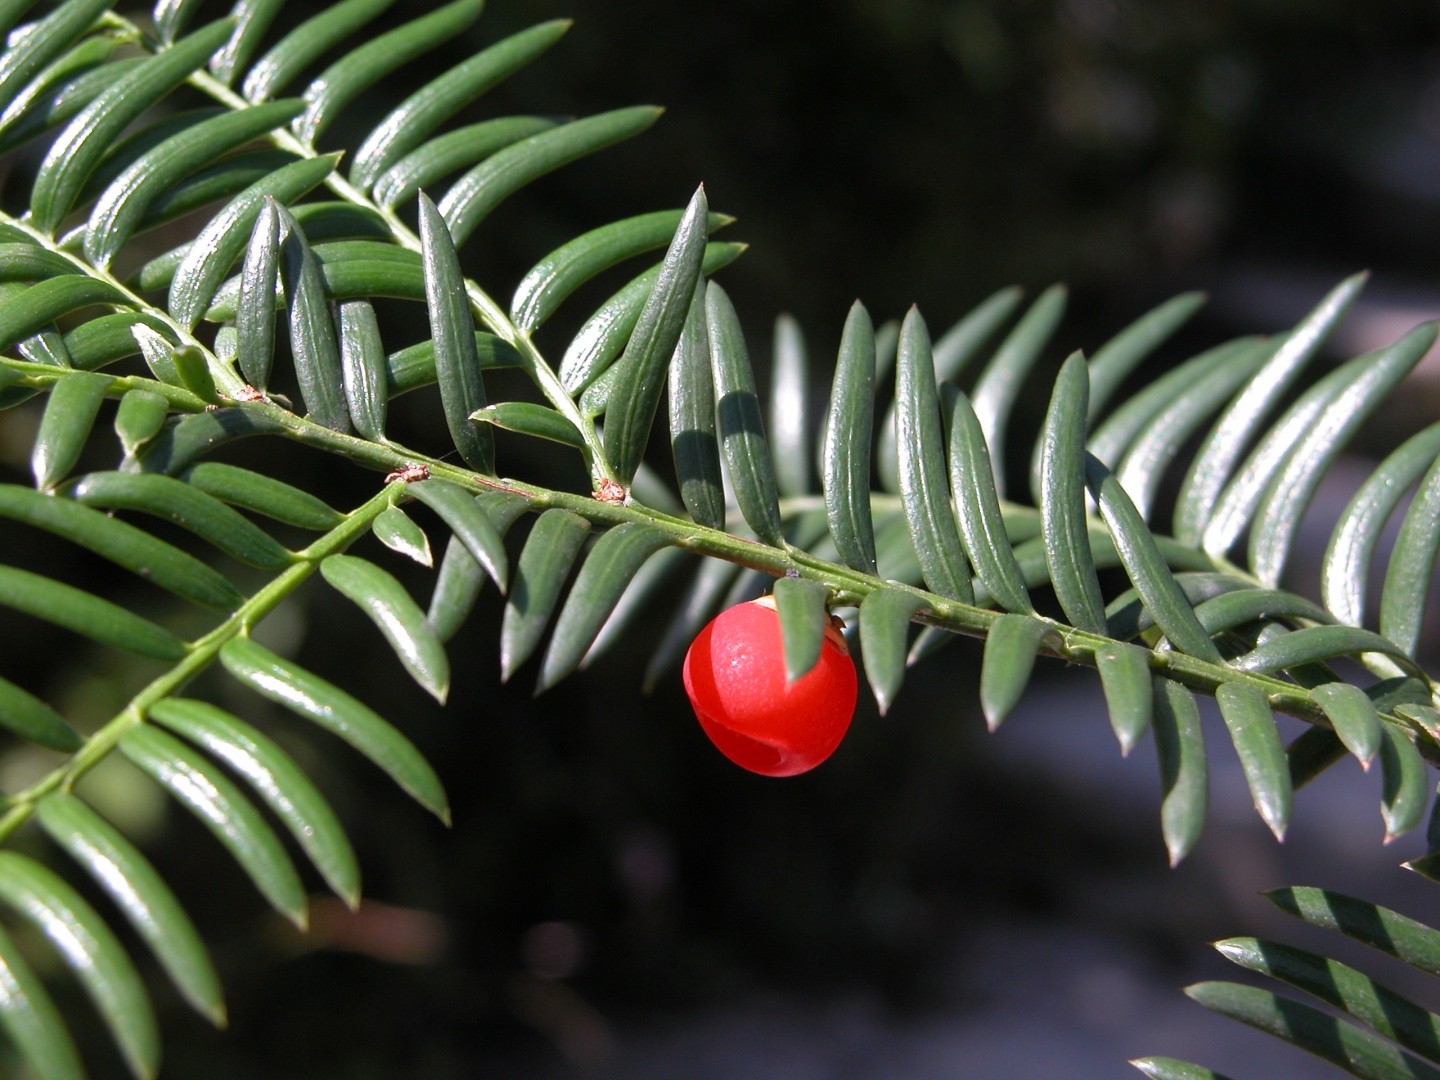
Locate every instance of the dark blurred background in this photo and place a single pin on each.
(615, 899)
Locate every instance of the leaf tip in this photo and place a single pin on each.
(992, 720)
(1227, 947)
(508, 663)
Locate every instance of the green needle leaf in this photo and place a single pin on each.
(344, 275)
(924, 480)
(1412, 566)
(1127, 615)
(393, 528)
(25, 715)
(412, 122)
(91, 951)
(641, 369)
(1221, 371)
(466, 516)
(1352, 714)
(53, 96)
(172, 16)
(314, 345)
(953, 353)
(140, 894)
(555, 277)
(885, 617)
(1340, 985)
(26, 262)
(187, 506)
(458, 583)
(1257, 743)
(202, 789)
(458, 149)
(386, 603)
(1406, 787)
(252, 20)
(1312, 643)
(215, 181)
(65, 427)
(87, 615)
(363, 67)
(263, 495)
(1277, 519)
(1146, 566)
(30, 1019)
(1244, 606)
(1154, 444)
(92, 134)
(34, 309)
(527, 418)
(472, 198)
(611, 565)
(1352, 546)
(1125, 677)
(457, 587)
(1183, 770)
(804, 618)
(24, 59)
(845, 465)
(1167, 1068)
(592, 352)
(982, 526)
(545, 562)
(1392, 933)
(122, 544)
(139, 419)
(1062, 500)
(1358, 1052)
(101, 341)
(221, 242)
(255, 312)
(1242, 418)
(737, 413)
(790, 409)
(314, 699)
(693, 441)
(298, 49)
(994, 395)
(457, 362)
(122, 206)
(362, 365)
(278, 781)
(1117, 358)
(1010, 650)
(638, 601)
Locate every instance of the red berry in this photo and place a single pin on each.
(735, 676)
